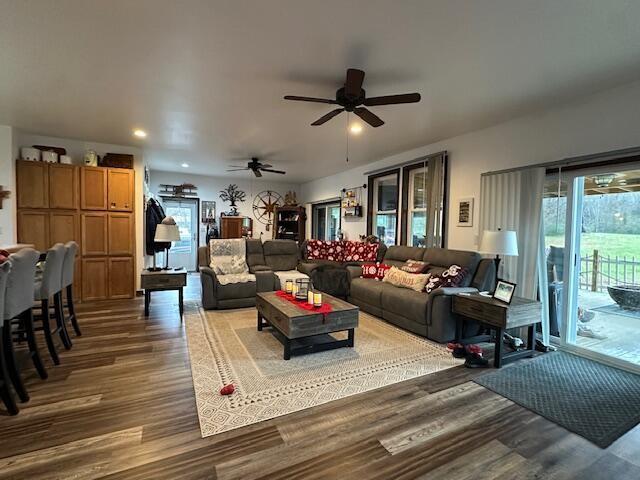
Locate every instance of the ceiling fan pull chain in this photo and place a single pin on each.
(347, 132)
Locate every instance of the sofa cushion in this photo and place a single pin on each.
(234, 265)
(410, 304)
(401, 279)
(281, 254)
(255, 252)
(368, 290)
(398, 254)
(235, 290)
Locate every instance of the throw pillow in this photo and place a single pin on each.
(382, 271)
(399, 278)
(4, 256)
(369, 270)
(451, 277)
(415, 266)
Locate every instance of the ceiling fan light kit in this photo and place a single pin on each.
(353, 98)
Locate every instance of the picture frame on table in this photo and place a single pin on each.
(465, 212)
(504, 291)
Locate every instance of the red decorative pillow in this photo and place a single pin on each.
(382, 271)
(369, 270)
(451, 277)
(414, 266)
(4, 256)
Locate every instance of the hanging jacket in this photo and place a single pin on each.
(154, 216)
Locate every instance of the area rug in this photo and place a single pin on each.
(618, 310)
(225, 347)
(598, 402)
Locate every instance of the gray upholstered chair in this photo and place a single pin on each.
(50, 286)
(5, 383)
(18, 316)
(68, 269)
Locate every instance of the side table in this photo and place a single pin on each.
(163, 280)
(498, 316)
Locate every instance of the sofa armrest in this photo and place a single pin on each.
(265, 280)
(259, 268)
(452, 291)
(208, 271)
(307, 267)
(208, 280)
(355, 271)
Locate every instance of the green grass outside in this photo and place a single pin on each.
(607, 244)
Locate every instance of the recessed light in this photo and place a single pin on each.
(140, 133)
(355, 128)
(184, 165)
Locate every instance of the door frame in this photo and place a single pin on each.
(573, 232)
(195, 200)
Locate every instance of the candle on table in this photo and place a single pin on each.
(294, 289)
(288, 286)
(310, 297)
(317, 299)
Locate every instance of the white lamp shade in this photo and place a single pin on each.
(500, 242)
(167, 233)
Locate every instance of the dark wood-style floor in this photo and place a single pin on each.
(121, 405)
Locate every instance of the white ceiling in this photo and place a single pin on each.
(206, 78)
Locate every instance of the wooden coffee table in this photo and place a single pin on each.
(303, 331)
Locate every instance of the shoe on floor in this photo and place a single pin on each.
(476, 360)
(457, 350)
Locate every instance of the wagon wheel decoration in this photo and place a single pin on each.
(264, 206)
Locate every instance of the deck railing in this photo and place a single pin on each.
(597, 271)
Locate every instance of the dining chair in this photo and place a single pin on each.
(68, 269)
(5, 382)
(47, 287)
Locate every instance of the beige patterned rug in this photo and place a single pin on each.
(225, 347)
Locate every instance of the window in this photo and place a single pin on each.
(326, 221)
(383, 207)
(417, 208)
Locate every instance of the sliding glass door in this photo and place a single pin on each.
(592, 236)
(326, 221)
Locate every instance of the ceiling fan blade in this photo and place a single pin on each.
(327, 117)
(236, 166)
(265, 165)
(310, 99)
(393, 99)
(237, 169)
(273, 171)
(368, 116)
(257, 172)
(353, 84)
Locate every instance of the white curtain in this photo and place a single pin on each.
(513, 201)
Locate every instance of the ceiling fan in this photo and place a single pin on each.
(352, 95)
(256, 167)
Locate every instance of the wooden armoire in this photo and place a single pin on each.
(93, 206)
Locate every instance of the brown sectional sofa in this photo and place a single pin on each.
(428, 315)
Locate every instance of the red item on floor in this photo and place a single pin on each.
(324, 308)
(227, 389)
(474, 349)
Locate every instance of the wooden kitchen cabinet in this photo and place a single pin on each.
(33, 227)
(32, 180)
(64, 226)
(121, 277)
(63, 186)
(94, 234)
(93, 188)
(95, 278)
(120, 189)
(121, 234)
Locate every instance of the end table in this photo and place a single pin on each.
(163, 280)
(498, 316)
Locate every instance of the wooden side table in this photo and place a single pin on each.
(498, 316)
(163, 280)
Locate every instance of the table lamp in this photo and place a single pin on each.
(167, 232)
(499, 242)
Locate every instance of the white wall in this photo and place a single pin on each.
(209, 190)
(76, 149)
(607, 121)
(8, 182)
